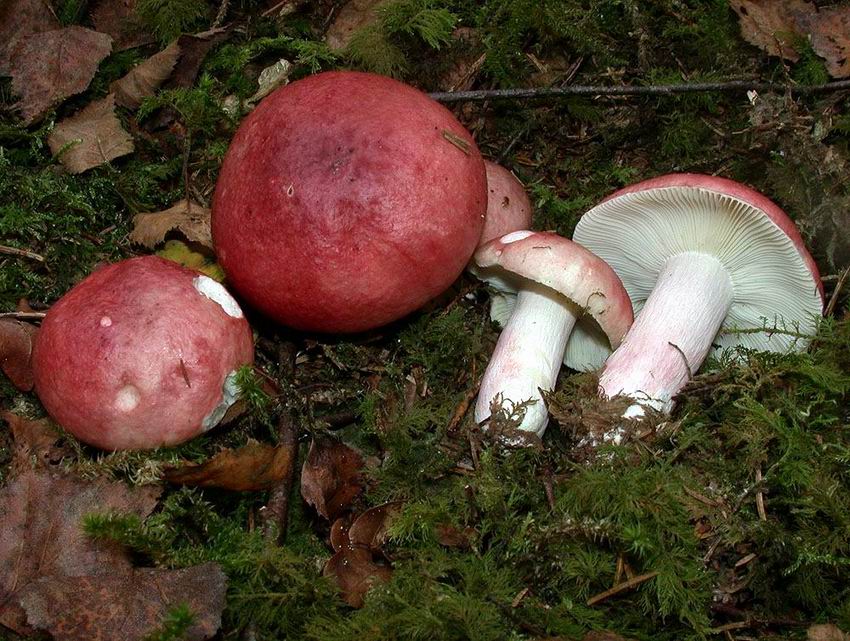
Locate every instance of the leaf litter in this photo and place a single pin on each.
(16, 340)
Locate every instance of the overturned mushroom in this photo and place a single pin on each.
(557, 284)
(708, 264)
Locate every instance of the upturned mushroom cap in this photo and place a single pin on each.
(776, 282)
(347, 200)
(141, 354)
(572, 271)
(508, 206)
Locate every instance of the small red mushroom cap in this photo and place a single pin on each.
(346, 201)
(581, 277)
(508, 206)
(140, 355)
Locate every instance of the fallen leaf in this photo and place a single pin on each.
(355, 573)
(354, 16)
(826, 632)
(772, 25)
(193, 49)
(181, 253)
(36, 444)
(126, 606)
(41, 534)
(91, 137)
(187, 216)
(451, 537)
(118, 19)
(330, 476)
(48, 67)
(16, 339)
(271, 78)
(370, 528)
(339, 533)
(145, 78)
(19, 18)
(830, 38)
(254, 467)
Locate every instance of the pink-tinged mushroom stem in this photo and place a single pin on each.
(528, 356)
(672, 334)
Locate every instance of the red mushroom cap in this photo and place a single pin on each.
(346, 201)
(508, 206)
(139, 355)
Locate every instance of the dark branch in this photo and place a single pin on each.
(637, 90)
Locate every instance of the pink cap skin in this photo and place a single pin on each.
(557, 283)
(508, 206)
(346, 201)
(708, 262)
(141, 354)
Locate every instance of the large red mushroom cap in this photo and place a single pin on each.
(141, 354)
(347, 200)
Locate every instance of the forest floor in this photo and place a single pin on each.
(729, 519)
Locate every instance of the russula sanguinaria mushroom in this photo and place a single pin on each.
(508, 206)
(347, 200)
(141, 354)
(708, 263)
(557, 284)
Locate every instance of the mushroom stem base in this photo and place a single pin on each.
(528, 357)
(672, 334)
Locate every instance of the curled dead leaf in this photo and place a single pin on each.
(452, 537)
(48, 67)
(331, 476)
(118, 19)
(771, 25)
(339, 533)
(19, 18)
(186, 216)
(145, 78)
(254, 467)
(829, 30)
(16, 339)
(355, 15)
(370, 528)
(91, 137)
(37, 443)
(355, 572)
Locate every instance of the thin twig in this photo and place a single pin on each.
(23, 315)
(463, 406)
(24, 253)
(222, 14)
(836, 293)
(760, 496)
(731, 86)
(276, 513)
(622, 587)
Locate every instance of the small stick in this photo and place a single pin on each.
(463, 407)
(833, 300)
(699, 497)
(23, 315)
(636, 90)
(24, 253)
(760, 497)
(275, 515)
(621, 587)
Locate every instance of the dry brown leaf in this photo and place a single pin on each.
(190, 218)
(145, 78)
(355, 572)
(48, 67)
(339, 533)
(91, 137)
(41, 533)
(19, 18)
(830, 37)
(37, 444)
(16, 339)
(370, 528)
(354, 16)
(254, 467)
(118, 19)
(126, 606)
(452, 537)
(772, 25)
(826, 632)
(193, 49)
(330, 476)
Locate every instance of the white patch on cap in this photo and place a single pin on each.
(105, 321)
(229, 395)
(514, 236)
(127, 399)
(215, 291)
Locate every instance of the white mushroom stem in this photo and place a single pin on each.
(528, 356)
(672, 334)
